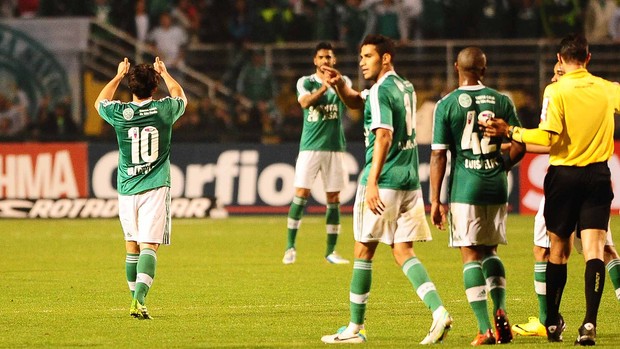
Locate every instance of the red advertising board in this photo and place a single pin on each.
(43, 170)
(532, 175)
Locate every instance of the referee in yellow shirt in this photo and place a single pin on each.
(577, 121)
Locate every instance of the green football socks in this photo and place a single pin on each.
(613, 267)
(145, 273)
(295, 213)
(424, 287)
(495, 275)
(475, 289)
(332, 224)
(360, 289)
(131, 264)
(540, 286)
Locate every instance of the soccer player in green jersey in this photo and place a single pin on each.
(321, 150)
(478, 188)
(143, 131)
(388, 207)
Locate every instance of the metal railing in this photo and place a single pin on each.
(107, 46)
(522, 65)
(512, 64)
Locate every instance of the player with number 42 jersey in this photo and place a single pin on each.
(477, 170)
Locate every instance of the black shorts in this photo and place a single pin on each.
(577, 195)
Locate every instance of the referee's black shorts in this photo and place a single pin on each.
(577, 195)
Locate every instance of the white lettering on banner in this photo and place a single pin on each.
(537, 170)
(225, 172)
(51, 177)
(176, 181)
(235, 171)
(14, 208)
(247, 178)
(102, 176)
(7, 176)
(74, 208)
(187, 208)
(200, 175)
(63, 179)
(267, 184)
(95, 208)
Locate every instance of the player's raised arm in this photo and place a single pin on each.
(173, 86)
(110, 88)
(352, 98)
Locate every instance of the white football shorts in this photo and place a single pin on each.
(145, 217)
(540, 229)
(329, 163)
(475, 225)
(403, 219)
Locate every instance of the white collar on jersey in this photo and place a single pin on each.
(143, 102)
(391, 72)
(480, 86)
(317, 78)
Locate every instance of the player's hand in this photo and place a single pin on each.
(333, 76)
(159, 66)
(438, 215)
(373, 201)
(123, 67)
(494, 127)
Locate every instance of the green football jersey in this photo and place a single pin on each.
(144, 133)
(322, 129)
(477, 174)
(391, 104)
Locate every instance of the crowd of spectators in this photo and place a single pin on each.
(168, 26)
(267, 21)
(53, 121)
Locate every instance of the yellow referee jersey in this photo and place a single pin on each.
(580, 109)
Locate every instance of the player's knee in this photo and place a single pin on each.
(610, 253)
(333, 197)
(541, 254)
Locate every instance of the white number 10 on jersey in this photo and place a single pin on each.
(144, 144)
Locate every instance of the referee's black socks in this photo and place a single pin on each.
(556, 280)
(594, 281)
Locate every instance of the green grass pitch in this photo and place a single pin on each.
(222, 284)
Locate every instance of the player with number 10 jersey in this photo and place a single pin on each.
(144, 132)
(476, 169)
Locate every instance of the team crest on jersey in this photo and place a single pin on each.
(128, 113)
(465, 100)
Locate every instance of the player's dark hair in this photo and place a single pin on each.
(382, 43)
(472, 59)
(574, 48)
(323, 45)
(143, 80)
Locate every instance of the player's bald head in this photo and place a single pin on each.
(472, 60)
